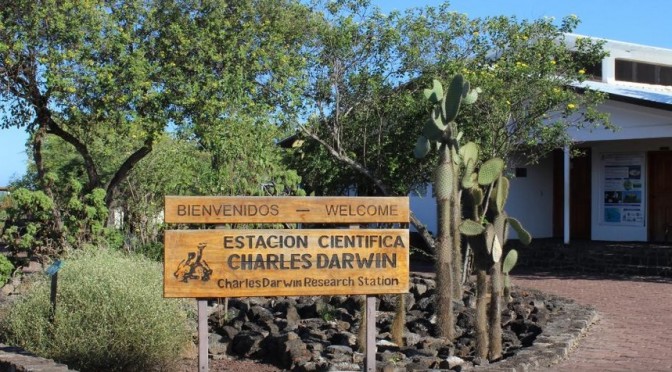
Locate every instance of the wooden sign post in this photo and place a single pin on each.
(286, 262)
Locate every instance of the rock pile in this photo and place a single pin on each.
(320, 333)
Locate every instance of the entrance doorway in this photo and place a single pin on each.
(660, 196)
(579, 195)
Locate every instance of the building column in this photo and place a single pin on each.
(566, 194)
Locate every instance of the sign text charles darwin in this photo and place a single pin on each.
(238, 263)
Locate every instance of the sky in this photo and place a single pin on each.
(642, 22)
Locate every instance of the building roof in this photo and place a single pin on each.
(658, 96)
(648, 95)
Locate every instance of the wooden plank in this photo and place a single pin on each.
(203, 332)
(371, 347)
(224, 209)
(240, 263)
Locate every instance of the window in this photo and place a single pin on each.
(640, 72)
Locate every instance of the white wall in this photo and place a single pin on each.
(531, 200)
(632, 122)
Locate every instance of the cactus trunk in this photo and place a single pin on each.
(495, 352)
(507, 288)
(399, 321)
(456, 207)
(444, 262)
(481, 315)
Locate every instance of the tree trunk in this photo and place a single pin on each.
(495, 352)
(45, 184)
(399, 321)
(125, 169)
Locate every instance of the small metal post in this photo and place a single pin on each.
(52, 296)
(202, 335)
(52, 271)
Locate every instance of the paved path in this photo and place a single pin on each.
(635, 329)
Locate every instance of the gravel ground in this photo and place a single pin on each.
(229, 365)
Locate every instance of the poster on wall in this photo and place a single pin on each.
(623, 189)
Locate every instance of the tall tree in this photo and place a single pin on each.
(368, 70)
(91, 72)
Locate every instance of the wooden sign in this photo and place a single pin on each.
(292, 262)
(222, 209)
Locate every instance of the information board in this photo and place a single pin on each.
(241, 263)
(285, 262)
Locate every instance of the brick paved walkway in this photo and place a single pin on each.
(635, 330)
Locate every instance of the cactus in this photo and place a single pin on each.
(508, 264)
(442, 128)
(453, 99)
(421, 147)
(501, 193)
(523, 235)
(484, 197)
(435, 94)
(490, 171)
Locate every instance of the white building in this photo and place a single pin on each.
(621, 190)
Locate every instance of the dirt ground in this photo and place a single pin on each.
(229, 365)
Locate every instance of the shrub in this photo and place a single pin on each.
(6, 269)
(30, 224)
(110, 315)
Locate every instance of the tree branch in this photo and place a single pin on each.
(422, 229)
(89, 165)
(125, 169)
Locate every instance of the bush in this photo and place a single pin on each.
(6, 269)
(110, 315)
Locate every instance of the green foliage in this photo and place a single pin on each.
(97, 83)
(6, 269)
(327, 313)
(365, 93)
(30, 220)
(110, 315)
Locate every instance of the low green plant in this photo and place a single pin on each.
(6, 269)
(327, 313)
(110, 315)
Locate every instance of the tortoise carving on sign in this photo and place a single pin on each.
(194, 267)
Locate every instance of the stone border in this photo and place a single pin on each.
(14, 359)
(560, 336)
